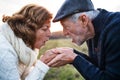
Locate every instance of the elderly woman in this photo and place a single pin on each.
(20, 35)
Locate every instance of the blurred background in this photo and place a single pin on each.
(67, 72)
(8, 7)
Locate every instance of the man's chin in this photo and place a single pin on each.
(78, 43)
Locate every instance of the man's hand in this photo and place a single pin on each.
(65, 56)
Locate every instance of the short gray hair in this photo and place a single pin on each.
(90, 14)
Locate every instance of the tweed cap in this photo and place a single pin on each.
(70, 7)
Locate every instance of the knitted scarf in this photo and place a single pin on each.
(26, 55)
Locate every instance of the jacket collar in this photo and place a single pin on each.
(99, 21)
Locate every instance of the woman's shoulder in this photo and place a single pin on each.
(6, 50)
(7, 55)
(8, 63)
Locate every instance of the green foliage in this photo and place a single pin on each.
(54, 43)
(67, 72)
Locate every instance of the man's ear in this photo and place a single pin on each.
(84, 19)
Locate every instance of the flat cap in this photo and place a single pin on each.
(70, 7)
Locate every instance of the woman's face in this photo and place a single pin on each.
(42, 35)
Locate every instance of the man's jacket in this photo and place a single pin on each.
(103, 62)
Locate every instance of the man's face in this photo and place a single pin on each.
(76, 30)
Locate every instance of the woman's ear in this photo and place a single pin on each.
(84, 19)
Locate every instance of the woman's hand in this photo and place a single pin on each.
(65, 56)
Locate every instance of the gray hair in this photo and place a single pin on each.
(90, 14)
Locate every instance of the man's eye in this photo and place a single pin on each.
(67, 27)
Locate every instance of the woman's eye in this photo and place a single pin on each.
(44, 29)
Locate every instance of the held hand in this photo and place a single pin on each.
(48, 55)
(65, 56)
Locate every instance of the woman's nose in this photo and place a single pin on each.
(49, 33)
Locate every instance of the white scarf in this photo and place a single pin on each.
(25, 54)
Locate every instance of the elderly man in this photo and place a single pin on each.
(100, 29)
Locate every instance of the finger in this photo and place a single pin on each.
(55, 51)
(53, 61)
(57, 64)
(49, 55)
(49, 58)
(41, 56)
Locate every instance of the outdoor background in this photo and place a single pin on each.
(67, 72)
(8, 7)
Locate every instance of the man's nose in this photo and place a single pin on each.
(65, 32)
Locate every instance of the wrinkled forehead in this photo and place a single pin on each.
(65, 21)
